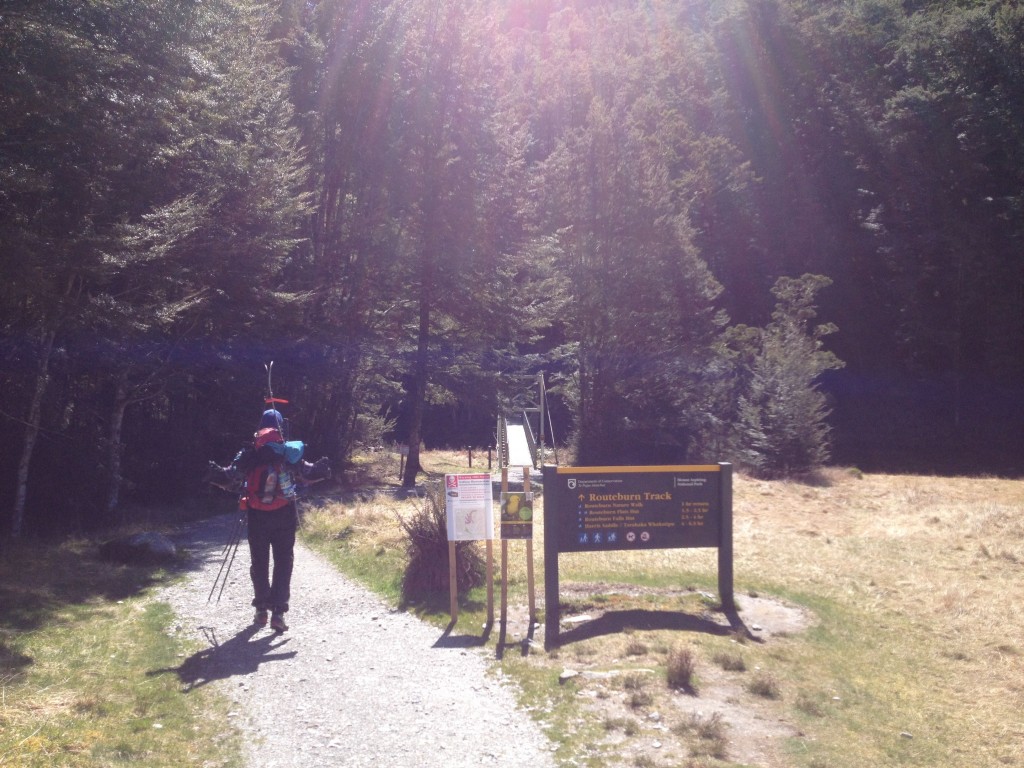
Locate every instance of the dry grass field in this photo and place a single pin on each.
(928, 571)
(883, 614)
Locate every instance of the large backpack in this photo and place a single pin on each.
(269, 482)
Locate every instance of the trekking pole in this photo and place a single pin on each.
(232, 540)
(227, 558)
(230, 563)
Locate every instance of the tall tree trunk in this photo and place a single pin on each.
(31, 435)
(116, 447)
(419, 382)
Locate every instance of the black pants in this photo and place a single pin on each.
(272, 531)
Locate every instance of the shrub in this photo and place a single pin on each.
(634, 681)
(426, 573)
(636, 647)
(627, 725)
(640, 699)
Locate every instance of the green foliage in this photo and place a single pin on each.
(617, 186)
(409, 205)
(782, 414)
(162, 223)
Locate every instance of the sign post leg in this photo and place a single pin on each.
(725, 558)
(453, 586)
(529, 556)
(552, 614)
(504, 557)
(490, 581)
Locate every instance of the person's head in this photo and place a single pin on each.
(272, 419)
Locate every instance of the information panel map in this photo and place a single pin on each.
(611, 508)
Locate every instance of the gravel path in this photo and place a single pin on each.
(353, 682)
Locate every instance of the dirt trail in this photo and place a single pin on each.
(352, 683)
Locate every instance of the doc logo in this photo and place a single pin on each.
(572, 483)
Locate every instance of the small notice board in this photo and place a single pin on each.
(516, 515)
(469, 513)
(469, 507)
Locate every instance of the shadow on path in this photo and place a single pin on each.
(240, 655)
(448, 640)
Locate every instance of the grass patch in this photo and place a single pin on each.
(84, 650)
(730, 661)
(640, 699)
(627, 725)
(635, 647)
(911, 657)
(363, 540)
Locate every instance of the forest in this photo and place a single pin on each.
(780, 233)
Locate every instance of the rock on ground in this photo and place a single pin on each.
(353, 682)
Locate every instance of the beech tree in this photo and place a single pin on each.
(152, 176)
(84, 109)
(618, 183)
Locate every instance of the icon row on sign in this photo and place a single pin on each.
(612, 537)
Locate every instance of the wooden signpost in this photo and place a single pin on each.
(517, 523)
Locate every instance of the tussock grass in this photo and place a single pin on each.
(640, 699)
(706, 735)
(627, 725)
(765, 685)
(427, 566)
(681, 668)
(635, 647)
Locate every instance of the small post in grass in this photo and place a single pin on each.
(453, 583)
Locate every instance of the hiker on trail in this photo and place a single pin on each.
(271, 467)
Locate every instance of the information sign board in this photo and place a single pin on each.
(594, 509)
(611, 508)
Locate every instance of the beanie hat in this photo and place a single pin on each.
(271, 418)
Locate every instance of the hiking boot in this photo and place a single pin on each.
(277, 623)
(260, 619)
